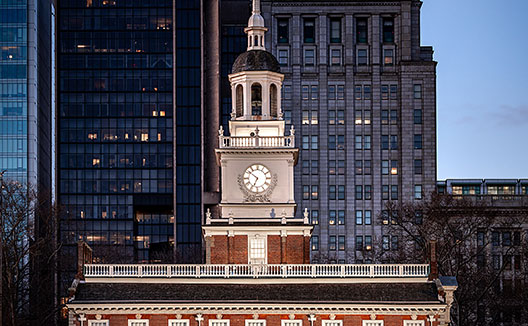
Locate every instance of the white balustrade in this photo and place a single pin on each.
(257, 270)
(257, 142)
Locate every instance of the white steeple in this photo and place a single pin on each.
(256, 29)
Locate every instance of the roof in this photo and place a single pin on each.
(338, 293)
(256, 60)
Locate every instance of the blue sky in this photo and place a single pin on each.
(482, 88)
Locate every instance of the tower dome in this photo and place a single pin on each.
(256, 60)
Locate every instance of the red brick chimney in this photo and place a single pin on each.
(433, 263)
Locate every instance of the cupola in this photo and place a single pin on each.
(256, 80)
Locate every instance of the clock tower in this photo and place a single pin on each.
(256, 221)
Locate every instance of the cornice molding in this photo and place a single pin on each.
(379, 309)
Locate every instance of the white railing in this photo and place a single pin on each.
(256, 141)
(258, 271)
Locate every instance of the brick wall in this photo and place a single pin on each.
(293, 249)
(274, 249)
(239, 319)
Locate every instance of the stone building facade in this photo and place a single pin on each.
(361, 91)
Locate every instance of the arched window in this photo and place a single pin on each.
(239, 101)
(256, 99)
(273, 100)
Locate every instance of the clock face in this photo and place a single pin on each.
(257, 178)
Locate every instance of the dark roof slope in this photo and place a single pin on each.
(257, 293)
(256, 60)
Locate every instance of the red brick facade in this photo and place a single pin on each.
(271, 319)
(292, 249)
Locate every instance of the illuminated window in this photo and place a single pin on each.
(341, 217)
(144, 137)
(367, 117)
(388, 57)
(394, 167)
(368, 242)
(340, 117)
(358, 118)
(332, 217)
(315, 216)
(96, 162)
(315, 192)
(92, 136)
(331, 117)
(315, 242)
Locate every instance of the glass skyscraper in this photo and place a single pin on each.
(129, 129)
(26, 62)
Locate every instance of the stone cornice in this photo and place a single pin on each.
(382, 308)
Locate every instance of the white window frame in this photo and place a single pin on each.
(249, 321)
(264, 239)
(372, 322)
(130, 321)
(332, 322)
(93, 322)
(291, 322)
(414, 323)
(212, 321)
(184, 321)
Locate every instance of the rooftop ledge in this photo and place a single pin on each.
(255, 271)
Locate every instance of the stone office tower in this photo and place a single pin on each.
(363, 91)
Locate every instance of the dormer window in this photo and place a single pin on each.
(256, 99)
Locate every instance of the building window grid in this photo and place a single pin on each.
(256, 322)
(99, 322)
(414, 323)
(138, 322)
(219, 322)
(178, 322)
(332, 323)
(291, 322)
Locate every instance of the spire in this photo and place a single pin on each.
(256, 29)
